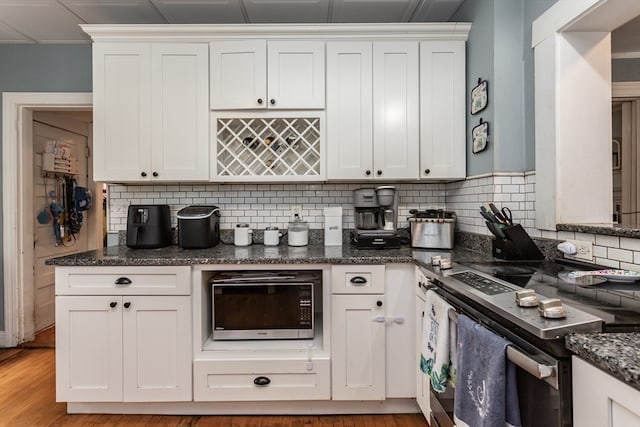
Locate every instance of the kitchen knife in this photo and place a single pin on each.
(495, 230)
(498, 214)
(487, 215)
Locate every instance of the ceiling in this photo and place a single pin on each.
(56, 21)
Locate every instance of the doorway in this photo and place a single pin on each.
(19, 205)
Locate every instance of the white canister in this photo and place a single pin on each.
(333, 226)
(272, 236)
(242, 235)
(298, 233)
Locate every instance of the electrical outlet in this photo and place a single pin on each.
(296, 210)
(585, 249)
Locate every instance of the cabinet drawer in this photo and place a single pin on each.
(234, 380)
(160, 280)
(357, 279)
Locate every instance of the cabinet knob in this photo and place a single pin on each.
(155, 174)
(143, 174)
(272, 101)
(379, 172)
(379, 303)
(113, 304)
(368, 172)
(261, 381)
(127, 304)
(123, 281)
(260, 101)
(427, 171)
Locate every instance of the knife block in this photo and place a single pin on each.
(517, 246)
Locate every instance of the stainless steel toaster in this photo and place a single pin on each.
(432, 229)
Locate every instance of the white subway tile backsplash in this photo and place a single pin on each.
(609, 241)
(263, 205)
(620, 255)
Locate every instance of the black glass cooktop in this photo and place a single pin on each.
(617, 304)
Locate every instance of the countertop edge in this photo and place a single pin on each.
(617, 354)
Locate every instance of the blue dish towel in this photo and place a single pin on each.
(485, 394)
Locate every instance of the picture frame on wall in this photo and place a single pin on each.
(479, 96)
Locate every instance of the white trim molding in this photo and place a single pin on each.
(625, 89)
(16, 109)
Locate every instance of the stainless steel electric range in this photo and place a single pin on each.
(535, 305)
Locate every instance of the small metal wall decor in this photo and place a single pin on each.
(479, 96)
(479, 136)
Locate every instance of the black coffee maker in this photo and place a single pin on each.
(148, 226)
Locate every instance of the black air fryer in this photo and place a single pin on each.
(198, 227)
(148, 226)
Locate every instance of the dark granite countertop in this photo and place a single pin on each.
(608, 230)
(618, 354)
(315, 253)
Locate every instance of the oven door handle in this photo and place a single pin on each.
(538, 370)
(548, 373)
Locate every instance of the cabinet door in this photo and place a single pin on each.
(422, 380)
(349, 110)
(400, 339)
(121, 111)
(442, 110)
(358, 347)
(88, 349)
(180, 121)
(157, 348)
(395, 110)
(600, 400)
(238, 74)
(296, 74)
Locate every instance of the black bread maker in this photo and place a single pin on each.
(148, 226)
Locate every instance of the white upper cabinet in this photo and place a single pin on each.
(442, 110)
(121, 111)
(372, 110)
(150, 112)
(349, 110)
(395, 109)
(259, 74)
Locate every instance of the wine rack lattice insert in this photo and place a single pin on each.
(268, 146)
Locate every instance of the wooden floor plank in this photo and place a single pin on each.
(27, 398)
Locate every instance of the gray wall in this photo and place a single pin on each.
(41, 68)
(499, 50)
(625, 70)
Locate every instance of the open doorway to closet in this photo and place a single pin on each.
(64, 194)
(30, 122)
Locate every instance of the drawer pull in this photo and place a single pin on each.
(113, 304)
(358, 280)
(261, 381)
(123, 281)
(127, 304)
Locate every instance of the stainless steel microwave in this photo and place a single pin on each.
(262, 308)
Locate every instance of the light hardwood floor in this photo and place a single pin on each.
(27, 398)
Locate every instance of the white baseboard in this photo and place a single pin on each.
(3, 339)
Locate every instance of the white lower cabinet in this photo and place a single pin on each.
(260, 379)
(358, 347)
(120, 347)
(372, 334)
(600, 400)
(422, 380)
